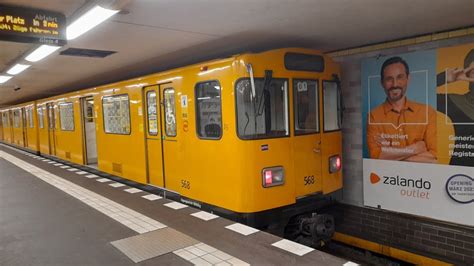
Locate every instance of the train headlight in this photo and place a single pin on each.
(273, 176)
(335, 163)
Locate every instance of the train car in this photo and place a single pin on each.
(7, 131)
(1, 125)
(60, 131)
(20, 126)
(255, 137)
(30, 121)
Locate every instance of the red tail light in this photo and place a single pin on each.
(273, 176)
(335, 163)
(268, 177)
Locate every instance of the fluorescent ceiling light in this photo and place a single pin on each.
(89, 20)
(4, 79)
(18, 68)
(41, 52)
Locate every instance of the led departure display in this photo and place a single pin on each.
(28, 25)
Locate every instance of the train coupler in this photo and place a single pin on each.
(314, 230)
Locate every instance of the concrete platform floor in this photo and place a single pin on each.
(54, 215)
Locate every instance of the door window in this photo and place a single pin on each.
(306, 105)
(170, 113)
(152, 113)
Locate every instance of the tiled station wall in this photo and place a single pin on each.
(446, 242)
(433, 238)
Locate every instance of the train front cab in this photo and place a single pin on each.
(288, 125)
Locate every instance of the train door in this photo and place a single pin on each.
(24, 123)
(169, 137)
(51, 128)
(89, 129)
(307, 139)
(12, 127)
(153, 136)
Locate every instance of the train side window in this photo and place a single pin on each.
(332, 106)
(265, 114)
(116, 113)
(208, 110)
(40, 117)
(66, 116)
(5, 120)
(29, 113)
(16, 118)
(170, 112)
(306, 106)
(152, 113)
(51, 116)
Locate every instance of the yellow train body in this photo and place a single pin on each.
(226, 171)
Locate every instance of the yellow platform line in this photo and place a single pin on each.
(387, 251)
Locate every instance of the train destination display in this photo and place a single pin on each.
(28, 25)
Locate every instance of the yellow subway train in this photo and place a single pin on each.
(255, 137)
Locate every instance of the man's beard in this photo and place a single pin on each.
(397, 97)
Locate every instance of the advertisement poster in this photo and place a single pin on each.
(418, 128)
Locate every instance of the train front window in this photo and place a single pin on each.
(306, 105)
(332, 106)
(265, 114)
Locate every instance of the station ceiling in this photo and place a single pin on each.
(153, 35)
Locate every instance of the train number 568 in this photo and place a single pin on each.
(309, 180)
(185, 184)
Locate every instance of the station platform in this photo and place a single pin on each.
(55, 214)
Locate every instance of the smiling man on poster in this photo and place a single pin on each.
(401, 129)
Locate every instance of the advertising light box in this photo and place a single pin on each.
(418, 117)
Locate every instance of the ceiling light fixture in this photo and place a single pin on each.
(4, 79)
(18, 68)
(41, 52)
(89, 20)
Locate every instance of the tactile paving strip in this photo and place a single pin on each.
(152, 244)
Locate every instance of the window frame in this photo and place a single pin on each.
(73, 121)
(174, 109)
(20, 122)
(237, 113)
(129, 113)
(294, 107)
(338, 102)
(196, 109)
(6, 122)
(30, 117)
(40, 117)
(157, 105)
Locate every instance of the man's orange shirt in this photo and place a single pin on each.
(415, 122)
